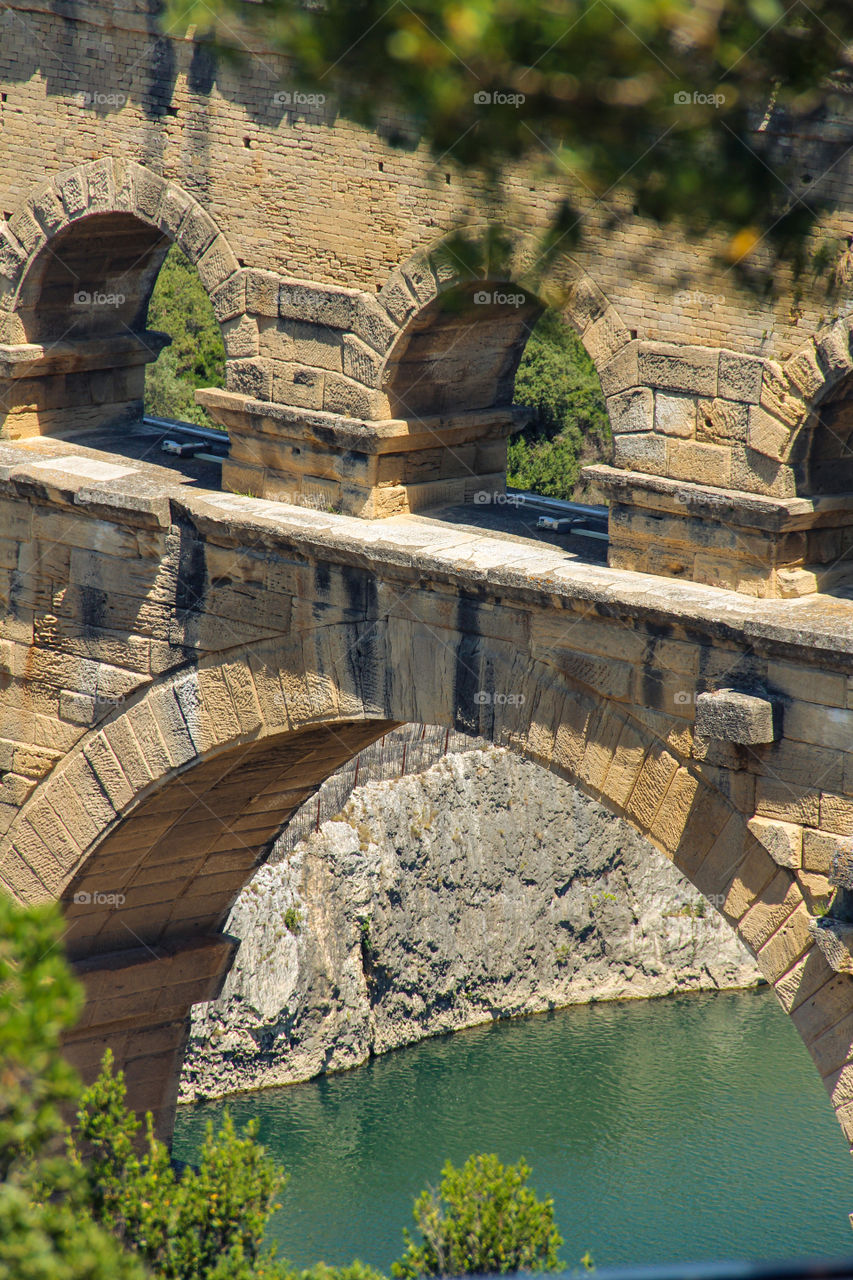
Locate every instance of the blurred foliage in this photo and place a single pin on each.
(483, 1220)
(180, 307)
(569, 425)
(668, 99)
(95, 1202)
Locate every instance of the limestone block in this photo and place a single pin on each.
(250, 377)
(72, 191)
(780, 397)
(640, 453)
(755, 473)
(679, 368)
(730, 716)
(420, 279)
(397, 300)
(804, 371)
(622, 371)
(632, 411)
(586, 303)
(99, 179)
(148, 191)
(766, 435)
(229, 298)
(241, 337)
(782, 840)
(835, 940)
(373, 325)
(360, 361)
(27, 231)
(319, 304)
(216, 264)
(701, 463)
(675, 415)
(197, 233)
(605, 337)
(48, 210)
(823, 851)
(12, 254)
(833, 350)
(262, 289)
(721, 421)
(174, 208)
(740, 377)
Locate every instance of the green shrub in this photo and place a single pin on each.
(293, 921)
(483, 1220)
(569, 427)
(180, 307)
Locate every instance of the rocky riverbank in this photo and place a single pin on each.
(481, 888)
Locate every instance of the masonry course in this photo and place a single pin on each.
(183, 667)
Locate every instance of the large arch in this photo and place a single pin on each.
(159, 816)
(87, 251)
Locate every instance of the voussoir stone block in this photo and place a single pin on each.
(835, 940)
(782, 840)
(632, 411)
(727, 715)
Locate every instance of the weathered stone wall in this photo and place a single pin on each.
(483, 888)
(184, 668)
(303, 192)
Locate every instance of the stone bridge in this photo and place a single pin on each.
(184, 660)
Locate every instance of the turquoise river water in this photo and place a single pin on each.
(688, 1128)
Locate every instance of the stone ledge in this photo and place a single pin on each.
(28, 359)
(777, 515)
(389, 435)
(834, 939)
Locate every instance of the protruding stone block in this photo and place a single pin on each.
(782, 840)
(730, 716)
(835, 940)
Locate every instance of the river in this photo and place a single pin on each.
(692, 1127)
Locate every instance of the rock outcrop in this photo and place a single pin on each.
(482, 888)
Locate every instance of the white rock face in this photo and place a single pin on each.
(480, 889)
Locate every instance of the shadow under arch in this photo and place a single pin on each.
(185, 788)
(77, 339)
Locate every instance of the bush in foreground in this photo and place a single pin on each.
(483, 1220)
(95, 1203)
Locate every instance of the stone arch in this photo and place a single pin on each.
(159, 816)
(78, 262)
(435, 293)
